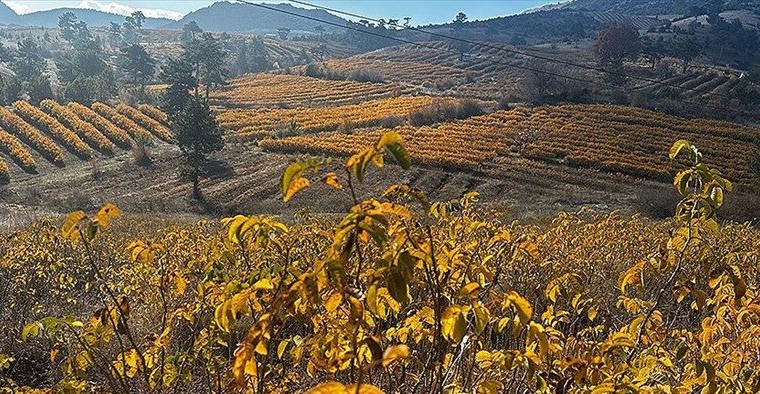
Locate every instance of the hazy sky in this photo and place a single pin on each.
(421, 11)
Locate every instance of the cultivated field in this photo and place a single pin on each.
(62, 134)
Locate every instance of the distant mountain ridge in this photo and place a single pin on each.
(244, 18)
(49, 18)
(221, 16)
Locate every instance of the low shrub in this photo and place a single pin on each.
(442, 111)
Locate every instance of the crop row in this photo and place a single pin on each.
(31, 136)
(245, 125)
(402, 71)
(11, 146)
(49, 128)
(105, 126)
(43, 121)
(458, 145)
(5, 175)
(280, 90)
(86, 131)
(154, 113)
(126, 124)
(145, 121)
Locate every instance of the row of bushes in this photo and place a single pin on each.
(321, 71)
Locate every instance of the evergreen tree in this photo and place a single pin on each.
(138, 64)
(178, 74)
(28, 62)
(208, 56)
(197, 134)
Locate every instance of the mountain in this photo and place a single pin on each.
(7, 15)
(244, 18)
(93, 18)
(49, 18)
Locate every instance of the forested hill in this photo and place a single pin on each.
(659, 7)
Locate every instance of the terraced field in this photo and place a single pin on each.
(698, 84)
(282, 90)
(59, 134)
(247, 125)
(612, 139)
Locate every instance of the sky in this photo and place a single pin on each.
(421, 11)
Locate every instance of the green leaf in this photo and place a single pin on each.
(398, 287)
(400, 155)
(32, 329)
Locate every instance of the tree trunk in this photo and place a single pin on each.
(196, 188)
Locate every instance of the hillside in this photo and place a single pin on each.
(235, 17)
(655, 7)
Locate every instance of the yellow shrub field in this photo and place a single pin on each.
(245, 125)
(30, 135)
(126, 124)
(602, 137)
(401, 294)
(273, 90)
(105, 126)
(85, 130)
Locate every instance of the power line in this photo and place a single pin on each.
(419, 44)
(513, 51)
(404, 41)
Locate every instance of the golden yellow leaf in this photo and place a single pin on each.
(243, 364)
(106, 213)
(295, 187)
(522, 306)
(331, 179)
(333, 302)
(70, 227)
(394, 353)
(339, 388)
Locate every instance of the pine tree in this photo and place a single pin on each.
(197, 133)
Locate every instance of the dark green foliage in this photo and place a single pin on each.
(251, 57)
(197, 134)
(87, 90)
(137, 64)
(74, 31)
(11, 89)
(178, 74)
(208, 57)
(39, 89)
(28, 62)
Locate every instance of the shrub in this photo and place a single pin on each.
(315, 70)
(391, 122)
(366, 76)
(441, 111)
(140, 154)
(445, 84)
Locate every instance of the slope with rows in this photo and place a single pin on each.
(246, 125)
(283, 90)
(613, 139)
(63, 134)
